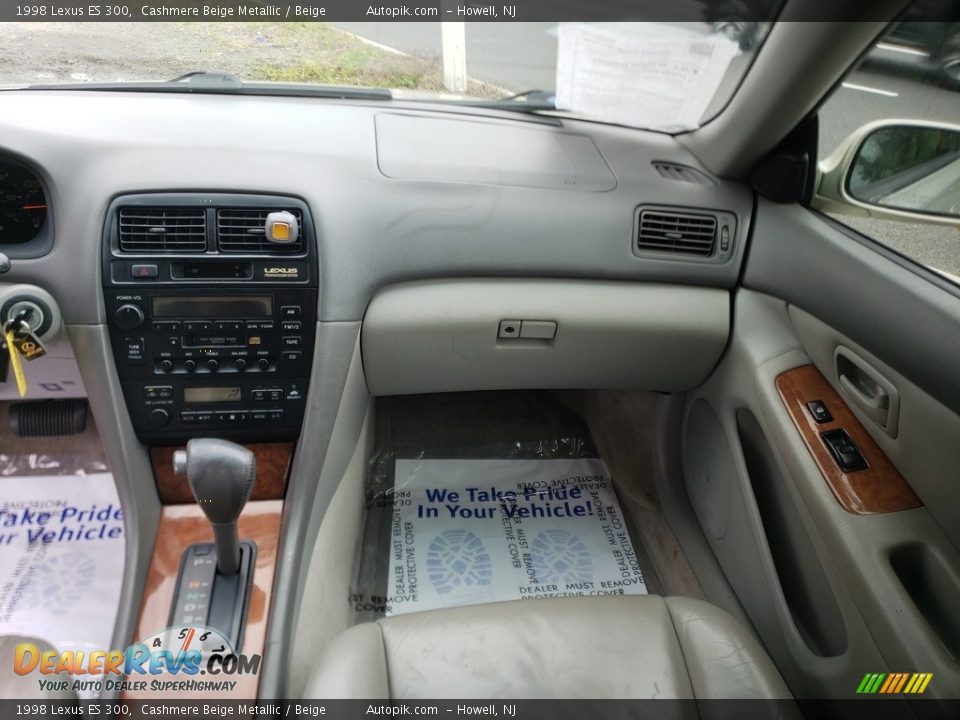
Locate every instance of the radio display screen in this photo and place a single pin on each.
(238, 306)
(211, 394)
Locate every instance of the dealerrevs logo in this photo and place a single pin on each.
(154, 664)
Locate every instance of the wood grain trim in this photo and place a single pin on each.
(273, 465)
(878, 489)
(183, 525)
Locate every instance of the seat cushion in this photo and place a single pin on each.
(640, 646)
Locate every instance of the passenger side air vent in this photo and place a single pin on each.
(682, 173)
(676, 232)
(242, 231)
(163, 230)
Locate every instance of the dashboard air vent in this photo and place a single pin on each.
(676, 232)
(163, 229)
(683, 173)
(243, 231)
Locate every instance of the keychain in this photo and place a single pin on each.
(21, 342)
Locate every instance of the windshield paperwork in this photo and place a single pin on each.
(658, 75)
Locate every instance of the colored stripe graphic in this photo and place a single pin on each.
(894, 683)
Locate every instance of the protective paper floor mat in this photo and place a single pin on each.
(482, 530)
(61, 557)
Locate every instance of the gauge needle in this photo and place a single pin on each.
(186, 640)
(34, 207)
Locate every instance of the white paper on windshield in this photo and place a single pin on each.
(644, 74)
(61, 559)
(466, 532)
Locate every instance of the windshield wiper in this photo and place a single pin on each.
(211, 82)
(531, 101)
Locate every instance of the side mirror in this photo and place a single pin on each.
(895, 169)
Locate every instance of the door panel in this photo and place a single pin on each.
(836, 591)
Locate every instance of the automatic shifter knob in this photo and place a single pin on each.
(221, 475)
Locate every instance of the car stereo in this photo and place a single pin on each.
(212, 324)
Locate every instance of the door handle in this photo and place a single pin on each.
(868, 389)
(875, 400)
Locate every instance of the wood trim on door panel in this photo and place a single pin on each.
(183, 525)
(273, 464)
(878, 489)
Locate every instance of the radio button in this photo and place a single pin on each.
(290, 311)
(228, 325)
(133, 350)
(166, 326)
(290, 326)
(197, 326)
(292, 356)
(189, 365)
(158, 392)
(292, 341)
(172, 341)
(259, 325)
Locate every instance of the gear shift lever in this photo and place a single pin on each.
(221, 475)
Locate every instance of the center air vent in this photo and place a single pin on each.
(162, 229)
(243, 231)
(676, 232)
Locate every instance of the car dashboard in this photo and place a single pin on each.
(438, 248)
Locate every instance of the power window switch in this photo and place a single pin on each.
(818, 410)
(844, 452)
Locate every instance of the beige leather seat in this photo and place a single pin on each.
(27, 687)
(596, 647)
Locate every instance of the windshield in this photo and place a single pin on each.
(668, 76)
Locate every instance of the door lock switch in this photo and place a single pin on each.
(844, 452)
(818, 409)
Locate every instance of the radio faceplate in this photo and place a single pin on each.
(224, 362)
(212, 326)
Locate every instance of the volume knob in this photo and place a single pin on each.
(128, 317)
